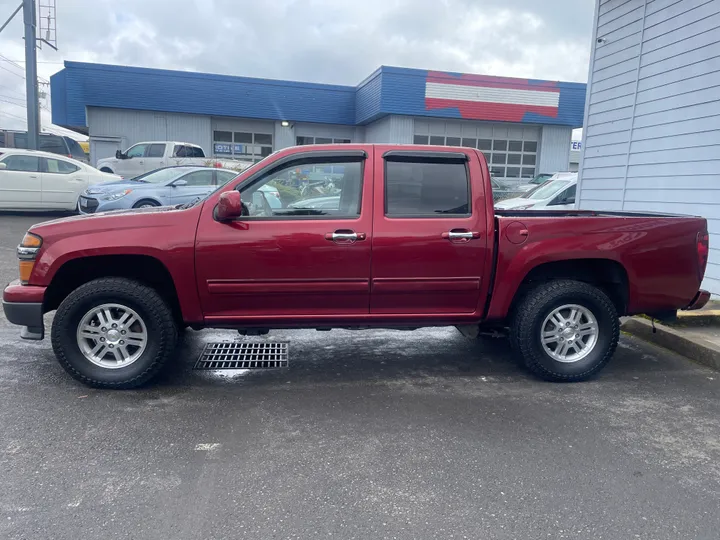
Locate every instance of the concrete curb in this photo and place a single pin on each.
(697, 349)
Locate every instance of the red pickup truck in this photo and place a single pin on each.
(409, 240)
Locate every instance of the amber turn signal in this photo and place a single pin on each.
(26, 268)
(31, 240)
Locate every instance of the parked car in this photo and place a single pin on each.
(49, 142)
(414, 242)
(163, 187)
(34, 180)
(149, 156)
(502, 190)
(537, 180)
(327, 203)
(552, 195)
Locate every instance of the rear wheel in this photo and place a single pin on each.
(565, 330)
(113, 333)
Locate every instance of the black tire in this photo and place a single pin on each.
(146, 302)
(529, 317)
(145, 202)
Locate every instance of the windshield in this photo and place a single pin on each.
(546, 190)
(540, 178)
(162, 176)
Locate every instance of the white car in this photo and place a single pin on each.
(544, 177)
(558, 194)
(34, 180)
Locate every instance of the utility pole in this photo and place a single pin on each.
(31, 85)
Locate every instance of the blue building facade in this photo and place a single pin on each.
(118, 106)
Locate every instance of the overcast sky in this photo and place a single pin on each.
(330, 41)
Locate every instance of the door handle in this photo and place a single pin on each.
(345, 236)
(33, 176)
(460, 234)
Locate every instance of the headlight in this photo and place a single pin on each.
(116, 195)
(27, 252)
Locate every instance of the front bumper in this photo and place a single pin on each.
(23, 305)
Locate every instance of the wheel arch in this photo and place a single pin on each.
(142, 268)
(607, 274)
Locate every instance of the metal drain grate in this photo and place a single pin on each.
(243, 355)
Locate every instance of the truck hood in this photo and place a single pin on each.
(109, 213)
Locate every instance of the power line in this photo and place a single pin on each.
(13, 98)
(12, 62)
(4, 113)
(12, 72)
(23, 61)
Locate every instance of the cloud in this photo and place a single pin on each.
(331, 41)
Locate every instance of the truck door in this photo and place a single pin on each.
(298, 261)
(429, 233)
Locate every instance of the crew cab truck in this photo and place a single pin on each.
(412, 242)
(147, 156)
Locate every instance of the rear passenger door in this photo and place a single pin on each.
(62, 182)
(430, 240)
(154, 157)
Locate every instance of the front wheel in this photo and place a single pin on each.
(113, 333)
(565, 330)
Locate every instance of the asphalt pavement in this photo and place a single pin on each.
(367, 435)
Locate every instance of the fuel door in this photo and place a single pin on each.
(516, 232)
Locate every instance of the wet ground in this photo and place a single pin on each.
(366, 435)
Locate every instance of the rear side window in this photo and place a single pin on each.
(155, 150)
(58, 166)
(22, 163)
(426, 188)
(185, 151)
(54, 144)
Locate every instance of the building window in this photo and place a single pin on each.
(301, 141)
(507, 158)
(242, 145)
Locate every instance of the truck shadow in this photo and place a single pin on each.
(378, 356)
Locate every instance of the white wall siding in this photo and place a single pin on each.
(554, 149)
(391, 129)
(652, 127)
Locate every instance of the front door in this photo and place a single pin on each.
(191, 186)
(430, 240)
(293, 265)
(20, 184)
(134, 164)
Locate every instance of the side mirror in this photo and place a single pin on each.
(179, 183)
(119, 155)
(3, 166)
(229, 206)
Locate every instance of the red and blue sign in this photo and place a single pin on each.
(479, 97)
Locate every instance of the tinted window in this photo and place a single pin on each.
(156, 151)
(199, 178)
(223, 177)
(136, 151)
(20, 140)
(54, 144)
(308, 181)
(75, 149)
(22, 163)
(426, 189)
(59, 166)
(421, 139)
(197, 151)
